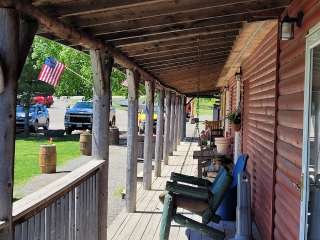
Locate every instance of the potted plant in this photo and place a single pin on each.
(235, 120)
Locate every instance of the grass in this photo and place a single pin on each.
(206, 106)
(27, 153)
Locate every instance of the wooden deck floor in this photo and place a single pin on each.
(145, 222)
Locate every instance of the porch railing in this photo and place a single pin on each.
(65, 209)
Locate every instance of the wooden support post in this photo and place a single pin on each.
(172, 121)
(27, 31)
(166, 144)
(148, 135)
(237, 135)
(133, 78)
(9, 47)
(184, 119)
(159, 137)
(176, 124)
(179, 121)
(228, 110)
(100, 130)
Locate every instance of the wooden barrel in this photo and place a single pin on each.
(86, 143)
(223, 145)
(48, 158)
(114, 136)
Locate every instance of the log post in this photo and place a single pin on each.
(176, 124)
(148, 146)
(10, 60)
(166, 144)
(184, 119)
(159, 137)
(27, 31)
(100, 129)
(133, 78)
(179, 121)
(237, 134)
(228, 110)
(172, 121)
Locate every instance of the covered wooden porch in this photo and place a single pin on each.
(177, 49)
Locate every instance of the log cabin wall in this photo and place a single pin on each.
(290, 122)
(259, 80)
(275, 199)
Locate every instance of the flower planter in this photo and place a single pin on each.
(236, 127)
(223, 145)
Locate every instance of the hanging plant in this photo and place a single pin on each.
(235, 119)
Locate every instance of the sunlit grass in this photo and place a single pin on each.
(27, 155)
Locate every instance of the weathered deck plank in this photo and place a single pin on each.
(144, 224)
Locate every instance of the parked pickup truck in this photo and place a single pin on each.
(38, 117)
(80, 117)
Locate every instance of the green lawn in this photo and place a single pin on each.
(27, 150)
(205, 106)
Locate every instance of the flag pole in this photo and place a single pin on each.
(80, 76)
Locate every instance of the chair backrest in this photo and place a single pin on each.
(240, 166)
(220, 186)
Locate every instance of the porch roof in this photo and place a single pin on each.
(183, 44)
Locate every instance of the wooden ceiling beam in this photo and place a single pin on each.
(153, 28)
(124, 7)
(191, 68)
(191, 78)
(181, 57)
(160, 24)
(85, 7)
(162, 50)
(184, 63)
(187, 73)
(178, 11)
(178, 61)
(184, 52)
(222, 30)
(213, 37)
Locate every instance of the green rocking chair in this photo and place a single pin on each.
(212, 193)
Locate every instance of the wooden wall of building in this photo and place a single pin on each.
(259, 79)
(276, 157)
(290, 122)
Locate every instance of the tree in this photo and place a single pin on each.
(70, 84)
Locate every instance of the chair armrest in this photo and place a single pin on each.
(188, 191)
(177, 177)
(203, 228)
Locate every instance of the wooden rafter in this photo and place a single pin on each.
(165, 50)
(155, 36)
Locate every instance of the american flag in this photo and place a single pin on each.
(51, 71)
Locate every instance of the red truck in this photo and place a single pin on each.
(43, 99)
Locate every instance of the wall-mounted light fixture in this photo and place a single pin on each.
(238, 75)
(288, 24)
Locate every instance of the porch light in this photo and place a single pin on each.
(238, 75)
(288, 24)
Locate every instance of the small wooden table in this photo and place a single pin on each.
(204, 158)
